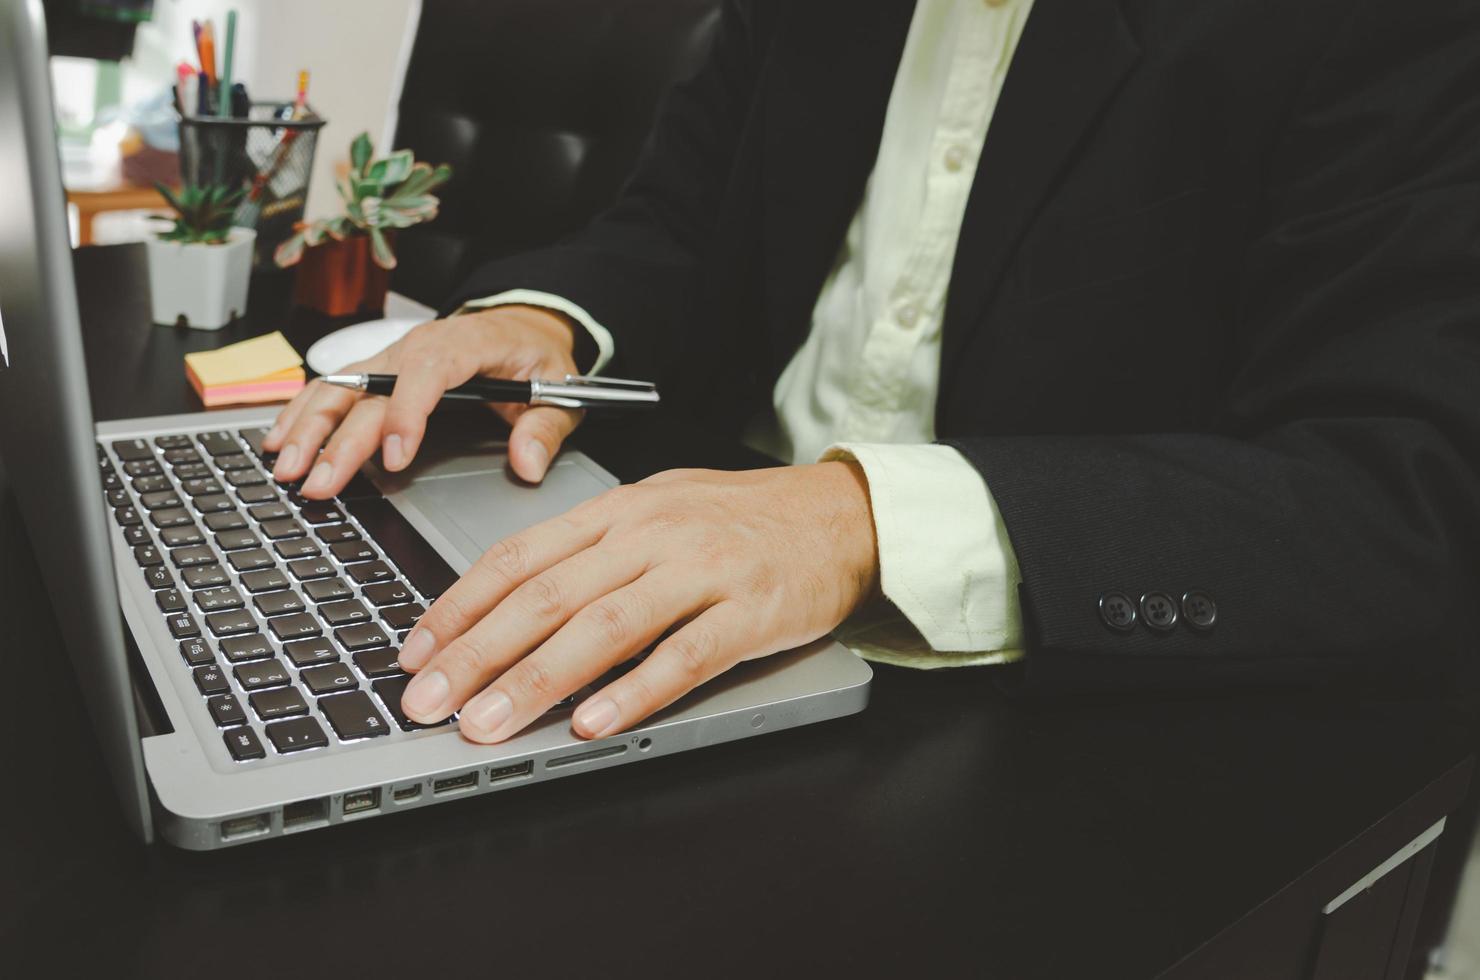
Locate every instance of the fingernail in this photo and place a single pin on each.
(425, 695)
(319, 479)
(417, 649)
(596, 717)
(392, 453)
(489, 713)
(286, 460)
(538, 456)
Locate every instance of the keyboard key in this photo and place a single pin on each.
(196, 652)
(253, 438)
(171, 442)
(171, 517)
(226, 711)
(146, 555)
(297, 626)
(256, 495)
(142, 467)
(240, 649)
(269, 512)
(353, 716)
(204, 577)
(279, 529)
(249, 561)
(285, 702)
(151, 484)
(278, 603)
(169, 601)
(132, 449)
(219, 599)
(245, 478)
(327, 590)
(213, 503)
(189, 557)
(320, 512)
(306, 653)
(237, 540)
(126, 516)
(182, 626)
(305, 569)
(369, 572)
(118, 498)
(387, 593)
(378, 663)
(163, 498)
(225, 521)
(136, 534)
(233, 622)
(243, 745)
(235, 461)
(262, 674)
(295, 548)
(200, 486)
(362, 636)
(296, 734)
(211, 680)
(159, 577)
(192, 471)
(111, 480)
(349, 552)
(267, 580)
(218, 443)
(182, 456)
(402, 617)
(181, 537)
(344, 613)
(389, 690)
(329, 678)
(403, 545)
(334, 533)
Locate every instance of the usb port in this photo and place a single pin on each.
(454, 784)
(238, 827)
(516, 771)
(405, 794)
(361, 801)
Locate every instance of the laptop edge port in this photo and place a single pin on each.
(455, 784)
(236, 828)
(405, 794)
(361, 801)
(518, 770)
(305, 814)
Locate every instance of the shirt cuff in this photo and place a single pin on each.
(605, 346)
(945, 560)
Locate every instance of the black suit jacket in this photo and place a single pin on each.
(1214, 320)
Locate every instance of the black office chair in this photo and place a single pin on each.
(541, 107)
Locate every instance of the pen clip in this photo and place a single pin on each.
(582, 391)
(586, 380)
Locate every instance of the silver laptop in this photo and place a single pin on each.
(236, 644)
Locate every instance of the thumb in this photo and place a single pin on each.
(536, 439)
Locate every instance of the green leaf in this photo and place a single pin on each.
(380, 250)
(393, 169)
(290, 251)
(359, 153)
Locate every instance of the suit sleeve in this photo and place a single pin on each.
(634, 266)
(1331, 512)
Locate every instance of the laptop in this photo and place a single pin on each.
(236, 643)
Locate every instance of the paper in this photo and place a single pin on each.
(257, 359)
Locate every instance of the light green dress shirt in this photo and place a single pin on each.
(863, 385)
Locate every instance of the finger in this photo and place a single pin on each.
(536, 439)
(605, 633)
(415, 396)
(320, 415)
(706, 647)
(518, 624)
(355, 441)
(501, 570)
(273, 441)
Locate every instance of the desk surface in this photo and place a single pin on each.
(946, 830)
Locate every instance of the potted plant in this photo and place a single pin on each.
(199, 268)
(347, 259)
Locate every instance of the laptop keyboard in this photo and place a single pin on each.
(288, 612)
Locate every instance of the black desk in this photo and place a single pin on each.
(945, 831)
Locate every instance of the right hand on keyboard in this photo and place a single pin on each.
(517, 342)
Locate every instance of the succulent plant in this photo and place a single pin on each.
(202, 214)
(394, 192)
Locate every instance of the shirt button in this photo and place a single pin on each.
(955, 156)
(908, 315)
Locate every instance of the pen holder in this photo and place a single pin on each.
(269, 157)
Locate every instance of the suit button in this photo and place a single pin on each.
(1159, 610)
(1200, 611)
(1118, 611)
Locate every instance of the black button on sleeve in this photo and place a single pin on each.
(1199, 611)
(1158, 611)
(1118, 611)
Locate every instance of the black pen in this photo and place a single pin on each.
(573, 391)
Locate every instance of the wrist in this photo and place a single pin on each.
(552, 327)
(852, 518)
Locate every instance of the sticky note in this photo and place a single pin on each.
(263, 369)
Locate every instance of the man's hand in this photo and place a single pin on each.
(507, 341)
(746, 564)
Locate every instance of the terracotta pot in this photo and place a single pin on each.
(341, 279)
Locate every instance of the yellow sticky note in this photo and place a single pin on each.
(249, 360)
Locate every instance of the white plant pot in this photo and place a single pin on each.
(203, 285)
